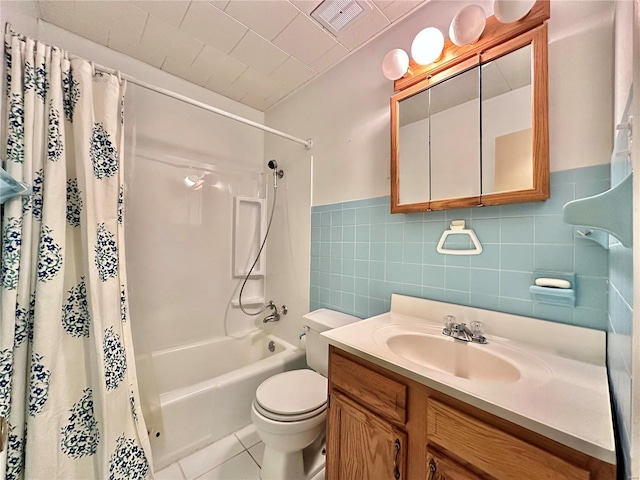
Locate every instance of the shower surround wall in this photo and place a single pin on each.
(361, 254)
(166, 128)
(179, 249)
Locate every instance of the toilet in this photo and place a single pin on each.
(290, 409)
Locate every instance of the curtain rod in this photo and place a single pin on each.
(308, 143)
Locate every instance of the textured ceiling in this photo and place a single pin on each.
(253, 51)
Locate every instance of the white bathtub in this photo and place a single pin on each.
(206, 389)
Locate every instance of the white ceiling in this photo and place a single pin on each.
(252, 51)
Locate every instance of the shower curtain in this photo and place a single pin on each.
(68, 384)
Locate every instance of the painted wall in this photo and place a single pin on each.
(620, 352)
(346, 112)
(178, 241)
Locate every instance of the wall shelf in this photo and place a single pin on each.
(598, 236)
(609, 211)
(248, 301)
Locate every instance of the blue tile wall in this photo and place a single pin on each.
(620, 321)
(361, 254)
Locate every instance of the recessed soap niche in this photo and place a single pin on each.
(249, 227)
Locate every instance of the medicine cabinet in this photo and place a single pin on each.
(472, 129)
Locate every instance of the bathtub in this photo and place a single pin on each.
(206, 389)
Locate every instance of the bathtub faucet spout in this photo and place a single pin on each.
(274, 316)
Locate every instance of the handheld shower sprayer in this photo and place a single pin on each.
(275, 315)
(273, 165)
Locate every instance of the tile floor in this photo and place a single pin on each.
(235, 457)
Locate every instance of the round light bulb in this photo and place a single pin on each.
(507, 11)
(467, 26)
(395, 64)
(427, 46)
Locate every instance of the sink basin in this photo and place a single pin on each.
(461, 359)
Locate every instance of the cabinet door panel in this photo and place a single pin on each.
(440, 467)
(493, 451)
(363, 445)
(381, 394)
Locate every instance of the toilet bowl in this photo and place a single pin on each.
(289, 410)
(289, 413)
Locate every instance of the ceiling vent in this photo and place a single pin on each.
(337, 15)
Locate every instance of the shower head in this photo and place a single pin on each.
(273, 165)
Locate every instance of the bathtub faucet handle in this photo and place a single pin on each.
(274, 316)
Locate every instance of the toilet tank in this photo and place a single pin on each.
(317, 322)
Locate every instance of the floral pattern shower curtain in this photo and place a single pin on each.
(68, 385)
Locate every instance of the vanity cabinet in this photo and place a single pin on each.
(382, 425)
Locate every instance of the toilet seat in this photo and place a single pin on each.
(292, 396)
(278, 417)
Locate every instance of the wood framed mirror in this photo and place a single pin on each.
(472, 130)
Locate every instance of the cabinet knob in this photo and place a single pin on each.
(432, 470)
(396, 470)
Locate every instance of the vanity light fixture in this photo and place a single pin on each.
(427, 46)
(466, 28)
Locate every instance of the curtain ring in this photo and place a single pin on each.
(93, 68)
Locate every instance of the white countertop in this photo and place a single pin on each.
(562, 392)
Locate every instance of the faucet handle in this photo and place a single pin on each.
(476, 328)
(476, 332)
(449, 322)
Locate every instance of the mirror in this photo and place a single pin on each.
(474, 133)
(507, 142)
(439, 138)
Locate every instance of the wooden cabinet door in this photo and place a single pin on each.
(361, 445)
(440, 467)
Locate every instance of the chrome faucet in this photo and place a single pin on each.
(274, 316)
(460, 331)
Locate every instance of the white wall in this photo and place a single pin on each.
(178, 241)
(346, 112)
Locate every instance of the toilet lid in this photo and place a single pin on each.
(293, 393)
